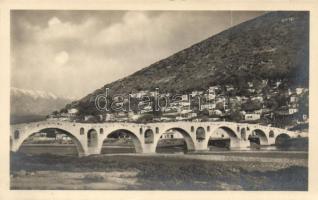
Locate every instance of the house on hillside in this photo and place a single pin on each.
(208, 106)
(252, 116)
(184, 97)
(196, 93)
(72, 112)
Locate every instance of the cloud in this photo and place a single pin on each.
(94, 53)
(54, 21)
(61, 58)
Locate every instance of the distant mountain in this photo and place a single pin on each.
(272, 46)
(30, 105)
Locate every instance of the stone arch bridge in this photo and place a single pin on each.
(89, 137)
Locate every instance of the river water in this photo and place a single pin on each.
(69, 149)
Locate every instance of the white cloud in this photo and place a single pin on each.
(54, 21)
(58, 30)
(61, 58)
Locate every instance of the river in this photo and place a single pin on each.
(70, 149)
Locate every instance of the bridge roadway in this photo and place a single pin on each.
(89, 137)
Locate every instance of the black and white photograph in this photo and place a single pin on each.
(165, 100)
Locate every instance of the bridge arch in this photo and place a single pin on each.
(187, 137)
(243, 134)
(281, 139)
(271, 134)
(263, 140)
(229, 131)
(92, 138)
(82, 131)
(16, 134)
(223, 132)
(149, 136)
(200, 134)
(135, 139)
(79, 146)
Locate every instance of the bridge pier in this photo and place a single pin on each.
(201, 145)
(93, 151)
(14, 147)
(271, 141)
(239, 144)
(149, 148)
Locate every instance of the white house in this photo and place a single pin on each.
(299, 91)
(293, 99)
(215, 112)
(211, 96)
(212, 89)
(184, 97)
(72, 111)
(141, 94)
(229, 88)
(252, 116)
(171, 135)
(259, 98)
(292, 110)
(208, 106)
(196, 93)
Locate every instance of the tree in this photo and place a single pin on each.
(235, 116)
(252, 105)
(55, 112)
(304, 104)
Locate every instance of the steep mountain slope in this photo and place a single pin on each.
(272, 46)
(29, 105)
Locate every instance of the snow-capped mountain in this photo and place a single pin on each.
(32, 93)
(28, 105)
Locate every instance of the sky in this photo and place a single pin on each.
(73, 53)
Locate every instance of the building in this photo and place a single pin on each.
(196, 93)
(89, 117)
(184, 97)
(213, 89)
(140, 94)
(72, 112)
(229, 88)
(260, 111)
(185, 104)
(109, 117)
(208, 106)
(258, 98)
(215, 112)
(153, 93)
(186, 114)
(299, 91)
(250, 84)
(293, 99)
(211, 96)
(252, 116)
(171, 135)
(292, 111)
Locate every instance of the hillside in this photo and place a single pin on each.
(272, 46)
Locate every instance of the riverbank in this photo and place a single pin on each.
(235, 171)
